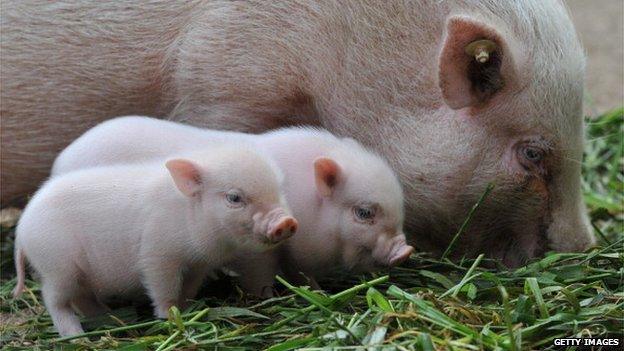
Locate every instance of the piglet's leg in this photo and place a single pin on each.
(88, 304)
(258, 287)
(314, 285)
(193, 279)
(296, 276)
(163, 280)
(257, 273)
(57, 297)
(301, 279)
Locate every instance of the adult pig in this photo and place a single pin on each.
(404, 77)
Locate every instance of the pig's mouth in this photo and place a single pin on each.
(514, 234)
(256, 242)
(263, 240)
(366, 262)
(543, 244)
(526, 246)
(362, 261)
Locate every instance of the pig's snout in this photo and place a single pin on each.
(394, 251)
(401, 255)
(283, 229)
(276, 225)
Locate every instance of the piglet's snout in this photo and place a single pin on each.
(401, 255)
(395, 251)
(283, 229)
(276, 225)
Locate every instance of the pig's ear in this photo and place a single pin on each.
(186, 176)
(326, 175)
(475, 63)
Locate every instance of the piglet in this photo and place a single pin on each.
(348, 201)
(161, 226)
(349, 204)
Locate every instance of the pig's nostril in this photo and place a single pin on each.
(284, 229)
(293, 225)
(277, 233)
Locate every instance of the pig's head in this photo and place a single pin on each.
(363, 200)
(236, 194)
(490, 92)
(521, 84)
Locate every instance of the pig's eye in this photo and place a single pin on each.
(364, 214)
(533, 154)
(530, 157)
(234, 198)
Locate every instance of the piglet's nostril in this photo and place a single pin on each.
(293, 225)
(284, 229)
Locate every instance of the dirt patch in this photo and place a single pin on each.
(600, 26)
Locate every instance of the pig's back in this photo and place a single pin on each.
(133, 139)
(295, 147)
(93, 219)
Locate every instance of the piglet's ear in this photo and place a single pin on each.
(476, 62)
(326, 175)
(186, 176)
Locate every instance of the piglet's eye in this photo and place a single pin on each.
(364, 214)
(234, 198)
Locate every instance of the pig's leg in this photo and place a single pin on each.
(295, 276)
(301, 279)
(57, 296)
(88, 304)
(193, 280)
(257, 285)
(163, 280)
(314, 285)
(257, 274)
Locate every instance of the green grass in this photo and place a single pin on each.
(428, 304)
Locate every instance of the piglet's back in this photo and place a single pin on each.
(91, 217)
(294, 150)
(131, 139)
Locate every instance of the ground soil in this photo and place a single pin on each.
(600, 26)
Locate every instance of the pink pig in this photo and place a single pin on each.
(454, 94)
(348, 201)
(349, 204)
(114, 230)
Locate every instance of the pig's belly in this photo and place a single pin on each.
(113, 269)
(116, 281)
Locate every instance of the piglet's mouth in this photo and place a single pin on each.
(366, 261)
(263, 240)
(362, 262)
(257, 242)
